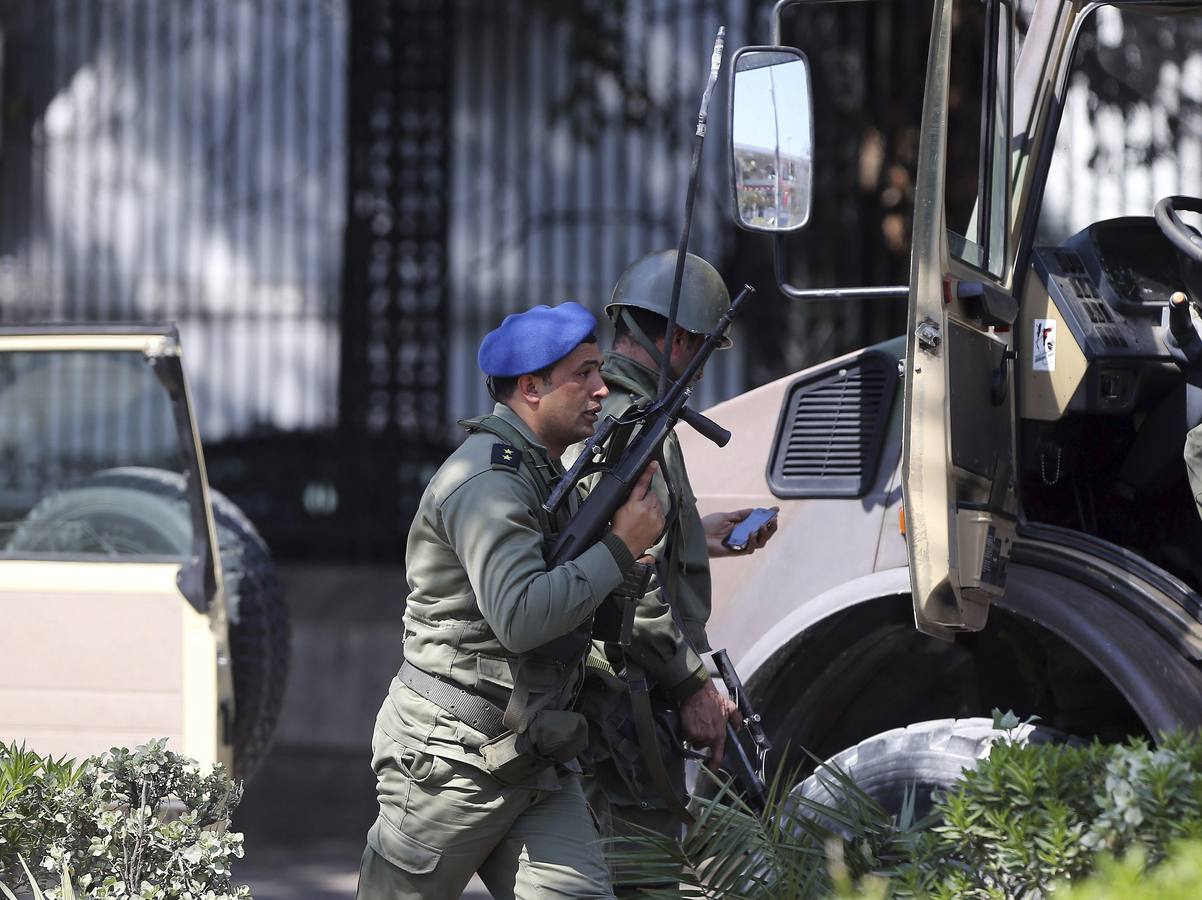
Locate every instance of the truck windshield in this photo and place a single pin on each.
(978, 136)
(72, 424)
(1131, 131)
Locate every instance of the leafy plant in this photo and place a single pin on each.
(797, 849)
(39, 799)
(1028, 821)
(1176, 878)
(141, 823)
(1031, 816)
(66, 889)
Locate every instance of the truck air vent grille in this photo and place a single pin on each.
(1083, 288)
(1112, 336)
(1070, 263)
(1097, 311)
(832, 427)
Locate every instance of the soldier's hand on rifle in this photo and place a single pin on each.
(719, 525)
(640, 520)
(703, 717)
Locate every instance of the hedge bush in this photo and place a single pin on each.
(1033, 815)
(1176, 878)
(1032, 821)
(144, 823)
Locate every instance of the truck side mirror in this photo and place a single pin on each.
(771, 139)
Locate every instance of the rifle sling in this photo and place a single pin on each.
(644, 724)
(636, 676)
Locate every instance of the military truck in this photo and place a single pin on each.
(991, 510)
(136, 601)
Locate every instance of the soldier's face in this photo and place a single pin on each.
(570, 401)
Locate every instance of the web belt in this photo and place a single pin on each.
(471, 709)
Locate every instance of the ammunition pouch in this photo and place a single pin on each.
(554, 737)
(614, 740)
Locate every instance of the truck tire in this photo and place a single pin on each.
(148, 510)
(922, 758)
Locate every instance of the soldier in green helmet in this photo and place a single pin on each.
(475, 744)
(670, 620)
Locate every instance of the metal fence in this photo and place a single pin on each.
(185, 160)
(571, 137)
(337, 199)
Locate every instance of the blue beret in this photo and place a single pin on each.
(532, 340)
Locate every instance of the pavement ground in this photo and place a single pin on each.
(304, 816)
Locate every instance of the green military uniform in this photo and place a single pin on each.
(1193, 464)
(482, 603)
(619, 787)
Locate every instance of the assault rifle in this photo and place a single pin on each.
(749, 777)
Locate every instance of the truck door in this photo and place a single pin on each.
(958, 445)
(114, 622)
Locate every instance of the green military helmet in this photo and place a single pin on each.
(647, 284)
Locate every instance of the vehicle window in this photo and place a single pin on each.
(1131, 131)
(72, 425)
(978, 139)
(867, 64)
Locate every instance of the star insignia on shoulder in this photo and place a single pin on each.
(505, 457)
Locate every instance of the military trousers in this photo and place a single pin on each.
(622, 821)
(441, 821)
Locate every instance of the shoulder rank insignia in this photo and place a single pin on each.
(505, 456)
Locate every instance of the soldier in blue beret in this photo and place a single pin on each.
(475, 745)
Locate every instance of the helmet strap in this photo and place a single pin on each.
(640, 336)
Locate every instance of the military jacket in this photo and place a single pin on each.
(481, 596)
(658, 643)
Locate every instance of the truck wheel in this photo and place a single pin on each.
(919, 758)
(148, 509)
(101, 520)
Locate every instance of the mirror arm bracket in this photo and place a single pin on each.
(893, 291)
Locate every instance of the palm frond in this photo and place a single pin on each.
(731, 852)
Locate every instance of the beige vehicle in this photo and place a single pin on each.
(991, 511)
(136, 602)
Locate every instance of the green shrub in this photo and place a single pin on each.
(799, 849)
(39, 798)
(1176, 878)
(144, 823)
(1031, 816)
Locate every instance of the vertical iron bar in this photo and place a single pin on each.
(289, 326)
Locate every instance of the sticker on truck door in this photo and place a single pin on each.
(1043, 355)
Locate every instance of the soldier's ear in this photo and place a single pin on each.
(685, 340)
(530, 388)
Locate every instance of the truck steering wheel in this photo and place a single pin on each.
(1183, 341)
(1185, 238)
